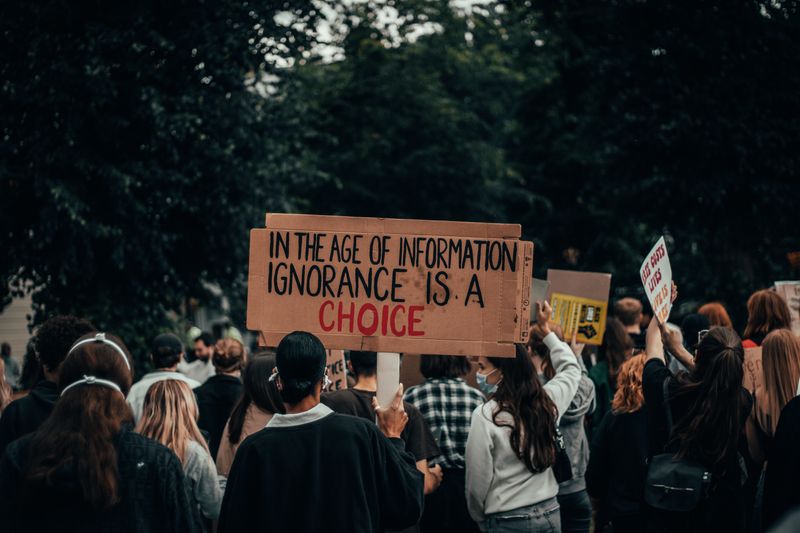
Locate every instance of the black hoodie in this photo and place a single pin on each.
(25, 415)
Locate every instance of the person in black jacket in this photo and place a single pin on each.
(84, 469)
(53, 339)
(782, 478)
(708, 407)
(617, 464)
(219, 394)
(315, 470)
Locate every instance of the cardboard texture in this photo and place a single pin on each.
(390, 285)
(580, 302)
(337, 369)
(753, 378)
(790, 291)
(656, 274)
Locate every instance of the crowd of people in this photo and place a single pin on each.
(657, 430)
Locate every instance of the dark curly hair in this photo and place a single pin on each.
(56, 336)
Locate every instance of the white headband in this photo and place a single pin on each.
(101, 337)
(91, 380)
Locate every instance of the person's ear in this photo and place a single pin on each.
(350, 368)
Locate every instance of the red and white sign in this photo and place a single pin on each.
(656, 274)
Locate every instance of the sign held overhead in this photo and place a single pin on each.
(391, 285)
(656, 274)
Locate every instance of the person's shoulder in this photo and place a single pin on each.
(654, 365)
(138, 447)
(17, 450)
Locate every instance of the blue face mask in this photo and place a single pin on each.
(487, 389)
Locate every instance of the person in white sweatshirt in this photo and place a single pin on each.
(511, 444)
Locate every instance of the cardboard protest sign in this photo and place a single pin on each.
(388, 374)
(391, 285)
(580, 303)
(753, 375)
(790, 291)
(337, 370)
(656, 274)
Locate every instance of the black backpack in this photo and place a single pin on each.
(678, 485)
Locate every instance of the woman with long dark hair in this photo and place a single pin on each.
(708, 408)
(259, 401)
(512, 440)
(85, 469)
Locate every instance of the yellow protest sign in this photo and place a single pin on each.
(584, 315)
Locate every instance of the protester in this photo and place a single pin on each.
(780, 365)
(766, 312)
(31, 369)
(259, 401)
(84, 469)
(782, 478)
(446, 403)
(169, 416)
(53, 340)
(12, 370)
(217, 396)
(708, 408)
(629, 312)
(166, 351)
(201, 367)
(617, 466)
(617, 347)
(576, 509)
(716, 314)
(512, 440)
(5, 389)
(314, 470)
(357, 401)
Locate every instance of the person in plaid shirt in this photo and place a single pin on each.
(446, 402)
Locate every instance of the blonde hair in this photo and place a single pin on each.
(169, 416)
(229, 355)
(780, 362)
(629, 397)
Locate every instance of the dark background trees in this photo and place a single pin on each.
(141, 143)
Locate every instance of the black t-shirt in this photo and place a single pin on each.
(216, 399)
(417, 436)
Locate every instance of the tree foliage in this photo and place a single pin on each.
(141, 142)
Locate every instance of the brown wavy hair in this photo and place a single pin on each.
(629, 397)
(80, 432)
(780, 361)
(716, 314)
(709, 431)
(229, 355)
(766, 311)
(521, 395)
(169, 416)
(617, 348)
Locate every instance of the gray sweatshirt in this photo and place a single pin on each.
(496, 479)
(575, 440)
(202, 480)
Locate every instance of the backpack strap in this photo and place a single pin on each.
(667, 410)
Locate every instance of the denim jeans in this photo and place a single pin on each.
(576, 512)
(543, 517)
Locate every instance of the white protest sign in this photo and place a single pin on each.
(656, 274)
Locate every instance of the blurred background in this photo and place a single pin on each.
(142, 140)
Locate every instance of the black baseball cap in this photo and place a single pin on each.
(166, 344)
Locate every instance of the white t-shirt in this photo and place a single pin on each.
(197, 370)
(140, 388)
